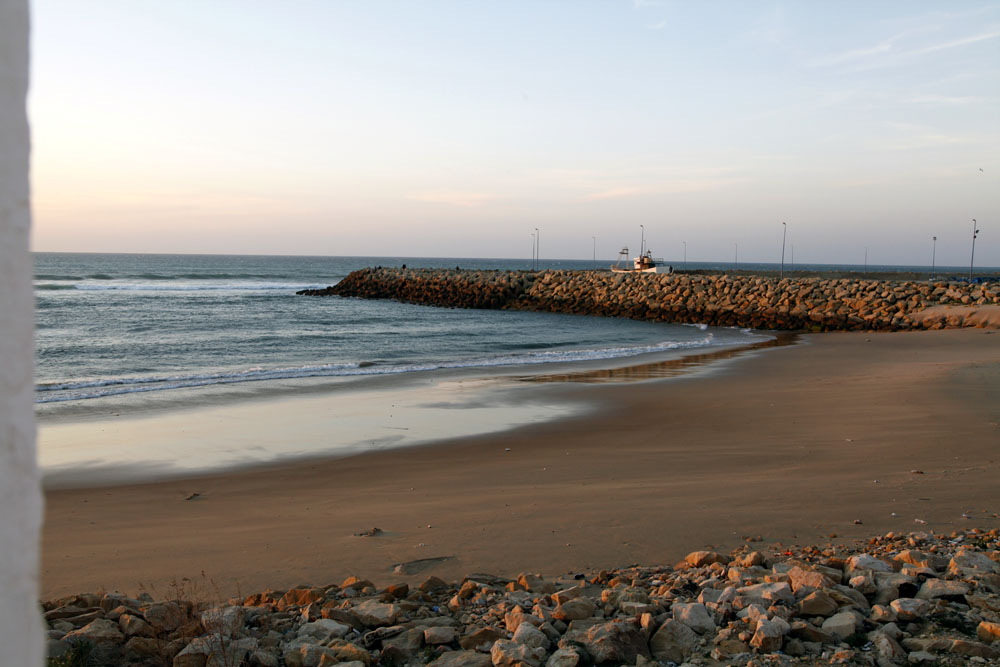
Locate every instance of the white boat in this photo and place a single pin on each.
(644, 263)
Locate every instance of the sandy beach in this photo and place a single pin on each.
(896, 431)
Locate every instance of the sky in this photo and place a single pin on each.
(456, 128)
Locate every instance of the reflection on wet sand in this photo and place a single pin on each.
(661, 369)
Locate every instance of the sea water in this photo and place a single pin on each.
(115, 324)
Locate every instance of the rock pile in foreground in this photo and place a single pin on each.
(818, 304)
(900, 599)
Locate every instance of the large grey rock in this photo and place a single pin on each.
(841, 625)
(462, 659)
(528, 635)
(673, 642)
(506, 653)
(910, 609)
(323, 629)
(769, 593)
(817, 603)
(440, 635)
(768, 637)
(695, 616)
(866, 562)
(98, 631)
(376, 614)
(564, 657)
(617, 641)
(942, 588)
(575, 609)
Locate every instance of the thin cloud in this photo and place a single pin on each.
(943, 100)
(658, 26)
(615, 193)
(965, 41)
(851, 56)
(453, 197)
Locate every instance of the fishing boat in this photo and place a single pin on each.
(644, 263)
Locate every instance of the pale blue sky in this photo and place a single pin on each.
(456, 128)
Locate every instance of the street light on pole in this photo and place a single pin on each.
(736, 255)
(972, 259)
(933, 255)
(784, 233)
(642, 243)
(538, 249)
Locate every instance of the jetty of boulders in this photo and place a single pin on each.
(896, 599)
(759, 302)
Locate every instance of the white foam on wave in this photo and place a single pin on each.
(87, 389)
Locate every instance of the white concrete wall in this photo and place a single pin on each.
(21, 639)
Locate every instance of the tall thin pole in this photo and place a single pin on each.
(933, 255)
(538, 249)
(972, 259)
(532, 251)
(642, 243)
(685, 253)
(784, 233)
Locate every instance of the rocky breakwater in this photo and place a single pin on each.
(722, 300)
(452, 288)
(897, 599)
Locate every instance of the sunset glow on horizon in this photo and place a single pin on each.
(455, 129)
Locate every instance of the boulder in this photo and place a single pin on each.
(817, 603)
(842, 625)
(575, 609)
(953, 591)
(673, 642)
(506, 653)
(530, 636)
(768, 637)
(462, 659)
(695, 616)
(988, 632)
(440, 635)
(376, 614)
(616, 641)
(910, 609)
(703, 558)
(98, 631)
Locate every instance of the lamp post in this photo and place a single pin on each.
(538, 249)
(642, 243)
(685, 253)
(736, 256)
(933, 255)
(784, 233)
(972, 259)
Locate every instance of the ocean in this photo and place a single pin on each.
(114, 324)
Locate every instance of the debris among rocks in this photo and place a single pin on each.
(371, 532)
(895, 599)
(193, 496)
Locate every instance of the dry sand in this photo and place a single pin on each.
(786, 444)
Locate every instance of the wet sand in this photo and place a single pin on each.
(785, 444)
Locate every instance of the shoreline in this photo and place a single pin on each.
(783, 446)
(143, 439)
